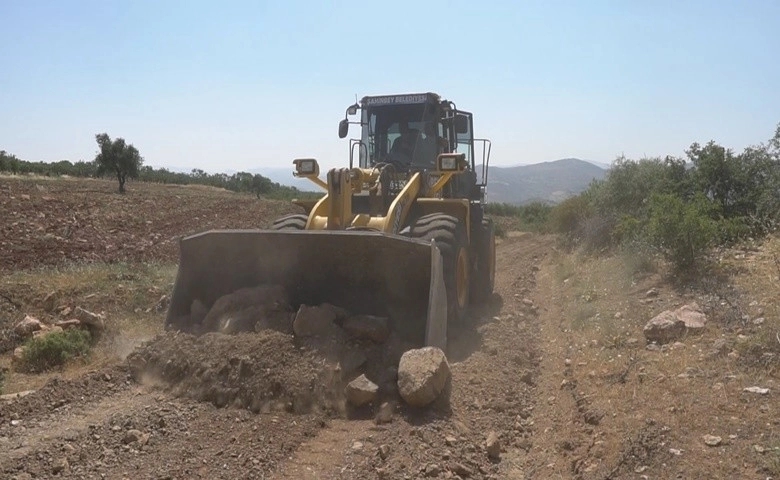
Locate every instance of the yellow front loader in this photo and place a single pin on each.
(402, 234)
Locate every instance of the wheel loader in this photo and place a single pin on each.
(400, 233)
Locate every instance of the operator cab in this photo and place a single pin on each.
(409, 131)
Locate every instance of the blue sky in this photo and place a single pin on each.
(238, 85)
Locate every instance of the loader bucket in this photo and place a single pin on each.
(363, 272)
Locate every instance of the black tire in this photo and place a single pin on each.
(484, 278)
(296, 221)
(450, 236)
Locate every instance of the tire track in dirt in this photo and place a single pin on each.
(33, 434)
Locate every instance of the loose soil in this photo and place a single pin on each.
(555, 365)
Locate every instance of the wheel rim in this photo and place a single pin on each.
(462, 278)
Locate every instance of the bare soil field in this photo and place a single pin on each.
(556, 367)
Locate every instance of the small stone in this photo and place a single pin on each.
(450, 440)
(131, 436)
(385, 413)
(60, 466)
(384, 451)
(361, 391)
(758, 321)
(432, 470)
(758, 390)
(653, 292)
(462, 470)
(712, 440)
(493, 445)
(67, 324)
(357, 446)
(675, 451)
(567, 362)
(90, 319)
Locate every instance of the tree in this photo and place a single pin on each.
(117, 158)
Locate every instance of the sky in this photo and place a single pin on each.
(242, 85)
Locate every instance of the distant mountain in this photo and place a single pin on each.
(284, 176)
(550, 182)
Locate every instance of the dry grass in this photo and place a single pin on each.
(129, 295)
(684, 387)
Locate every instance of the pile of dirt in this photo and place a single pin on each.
(263, 371)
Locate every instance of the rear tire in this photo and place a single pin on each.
(296, 221)
(484, 278)
(450, 236)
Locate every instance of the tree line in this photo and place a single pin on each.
(122, 161)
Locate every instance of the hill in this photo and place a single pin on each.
(549, 182)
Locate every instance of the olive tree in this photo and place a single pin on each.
(117, 158)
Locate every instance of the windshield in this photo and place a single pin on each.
(404, 135)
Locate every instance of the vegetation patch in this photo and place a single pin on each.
(56, 348)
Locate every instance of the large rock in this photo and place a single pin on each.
(361, 391)
(92, 320)
(28, 326)
(423, 375)
(367, 326)
(670, 325)
(67, 324)
(315, 320)
(240, 310)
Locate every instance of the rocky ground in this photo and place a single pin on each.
(553, 379)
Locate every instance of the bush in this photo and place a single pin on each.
(682, 230)
(47, 351)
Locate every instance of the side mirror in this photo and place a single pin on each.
(343, 128)
(352, 110)
(461, 124)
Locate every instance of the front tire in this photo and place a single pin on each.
(484, 278)
(295, 221)
(450, 236)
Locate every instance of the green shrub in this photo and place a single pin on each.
(568, 216)
(682, 230)
(47, 351)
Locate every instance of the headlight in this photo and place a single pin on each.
(306, 166)
(450, 162)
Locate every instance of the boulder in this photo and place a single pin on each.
(361, 391)
(314, 320)
(423, 375)
(198, 312)
(92, 320)
(227, 313)
(670, 325)
(28, 326)
(369, 327)
(692, 316)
